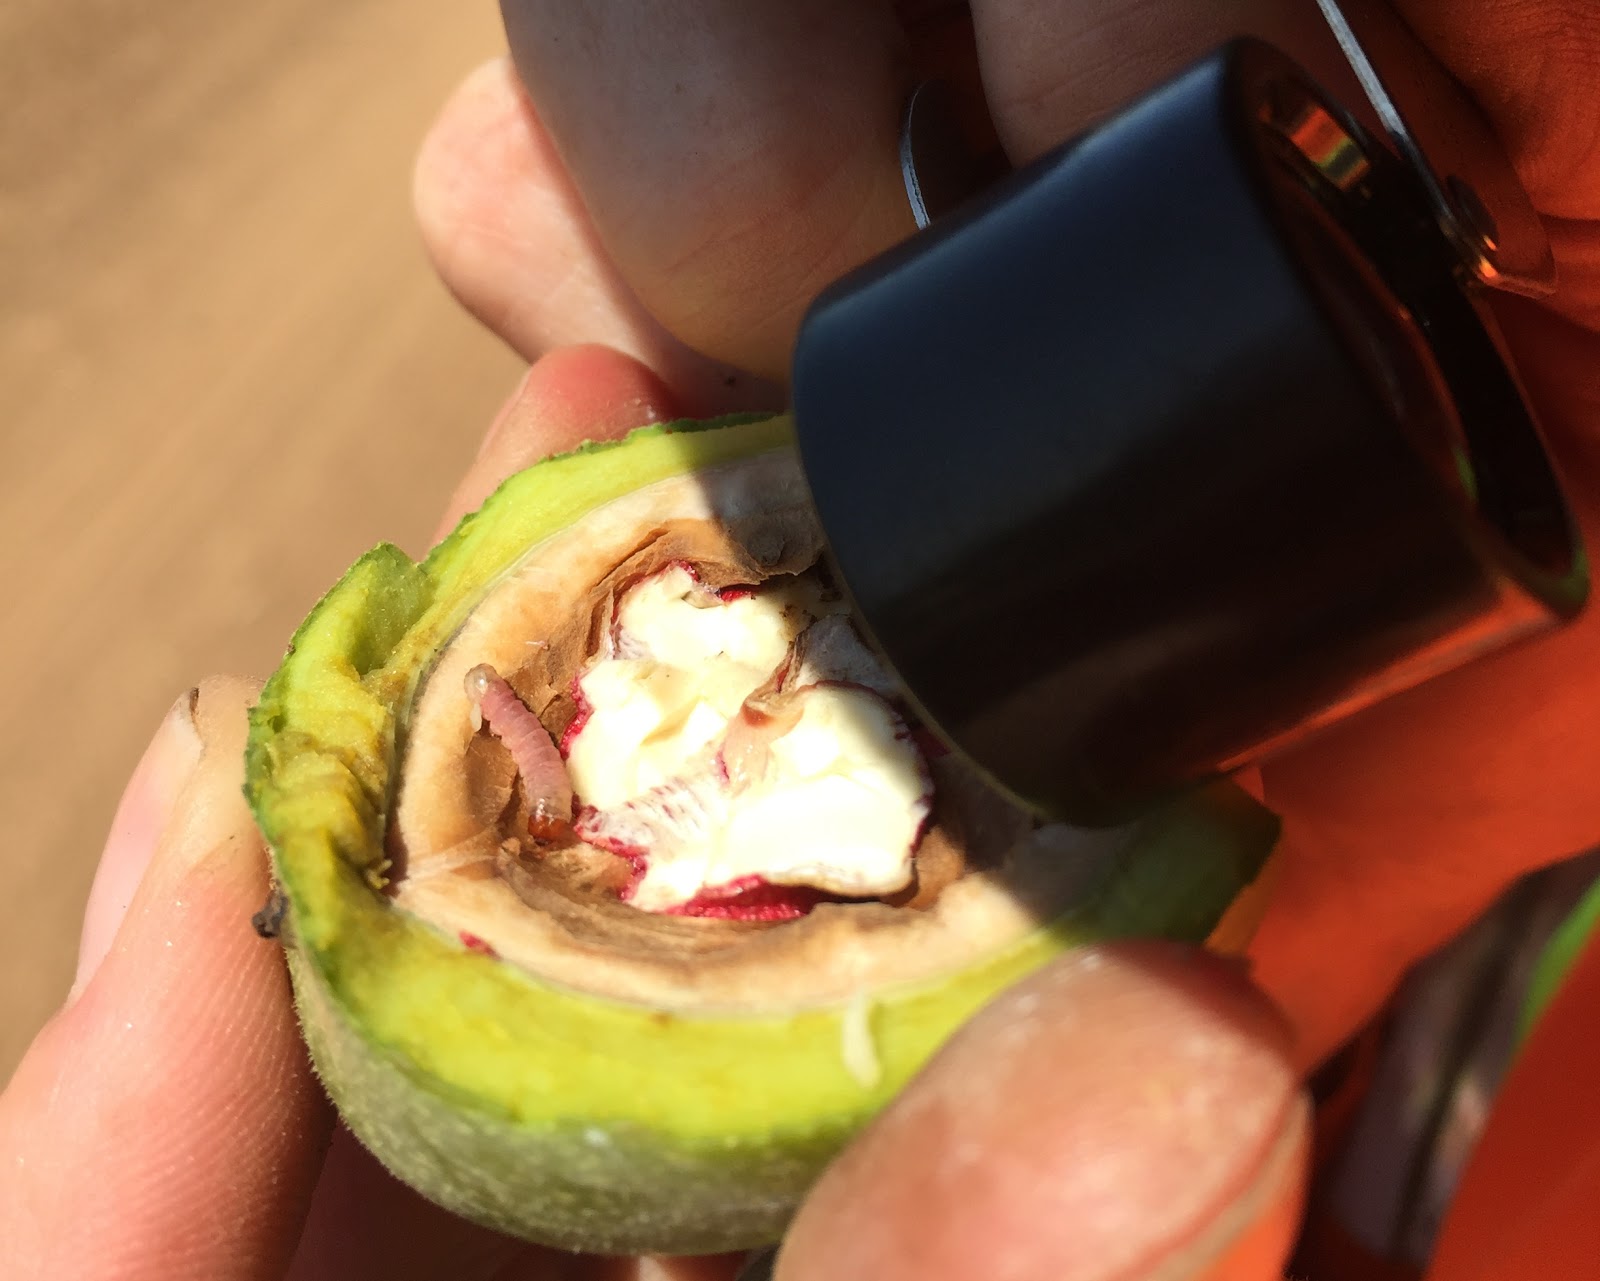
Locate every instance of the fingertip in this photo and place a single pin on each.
(573, 395)
(748, 159)
(587, 392)
(511, 239)
(485, 96)
(1128, 1110)
(477, 147)
(1053, 70)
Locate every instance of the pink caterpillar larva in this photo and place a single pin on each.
(538, 759)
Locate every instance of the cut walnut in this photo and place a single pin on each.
(563, 629)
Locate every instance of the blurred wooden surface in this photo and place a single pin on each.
(225, 370)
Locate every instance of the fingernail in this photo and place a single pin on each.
(142, 816)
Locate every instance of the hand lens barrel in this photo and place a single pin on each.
(1181, 442)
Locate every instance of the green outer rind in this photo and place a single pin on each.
(557, 1116)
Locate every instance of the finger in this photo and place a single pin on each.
(166, 1123)
(1534, 67)
(1050, 69)
(573, 395)
(143, 813)
(741, 156)
(1128, 1113)
(510, 238)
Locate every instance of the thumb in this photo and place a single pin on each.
(166, 1124)
(1130, 1112)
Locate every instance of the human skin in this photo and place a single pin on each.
(677, 188)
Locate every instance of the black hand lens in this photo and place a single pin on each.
(1191, 437)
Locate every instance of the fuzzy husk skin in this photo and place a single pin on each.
(582, 1188)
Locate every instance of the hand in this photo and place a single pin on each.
(166, 1126)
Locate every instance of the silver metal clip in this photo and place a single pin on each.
(1442, 135)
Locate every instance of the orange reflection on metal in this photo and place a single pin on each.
(1323, 141)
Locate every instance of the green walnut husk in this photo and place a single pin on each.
(585, 1121)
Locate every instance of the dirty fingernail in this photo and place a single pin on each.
(142, 815)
